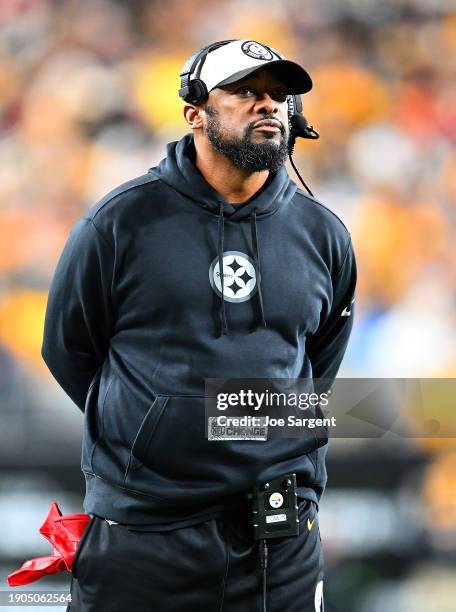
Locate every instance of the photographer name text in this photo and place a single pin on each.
(267, 421)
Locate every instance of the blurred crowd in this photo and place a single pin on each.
(88, 99)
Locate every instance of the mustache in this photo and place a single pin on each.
(251, 126)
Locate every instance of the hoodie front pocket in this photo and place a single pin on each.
(149, 425)
(171, 444)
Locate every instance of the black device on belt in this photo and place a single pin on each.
(275, 508)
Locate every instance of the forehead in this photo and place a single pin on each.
(264, 78)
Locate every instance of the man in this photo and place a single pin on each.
(134, 327)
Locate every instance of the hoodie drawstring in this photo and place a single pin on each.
(221, 226)
(256, 258)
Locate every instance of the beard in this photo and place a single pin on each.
(242, 152)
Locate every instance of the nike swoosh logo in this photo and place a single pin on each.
(310, 524)
(111, 522)
(346, 312)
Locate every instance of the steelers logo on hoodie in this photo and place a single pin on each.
(239, 276)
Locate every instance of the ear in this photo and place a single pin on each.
(193, 116)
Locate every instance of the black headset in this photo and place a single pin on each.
(194, 91)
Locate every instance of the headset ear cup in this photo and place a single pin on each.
(197, 92)
(294, 105)
(297, 102)
(202, 91)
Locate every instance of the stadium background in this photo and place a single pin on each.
(88, 99)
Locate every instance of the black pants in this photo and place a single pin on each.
(209, 567)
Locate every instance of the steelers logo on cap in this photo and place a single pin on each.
(276, 500)
(256, 50)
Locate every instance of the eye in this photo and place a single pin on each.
(279, 93)
(247, 91)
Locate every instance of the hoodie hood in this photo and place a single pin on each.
(178, 170)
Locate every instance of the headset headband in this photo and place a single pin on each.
(190, 65)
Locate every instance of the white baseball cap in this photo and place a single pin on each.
(235, 60)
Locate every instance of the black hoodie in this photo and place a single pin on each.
(135, 323)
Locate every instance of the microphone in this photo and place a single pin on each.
(301, 128)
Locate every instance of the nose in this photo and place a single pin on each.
(266, 105)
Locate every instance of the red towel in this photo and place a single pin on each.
(64, 533)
